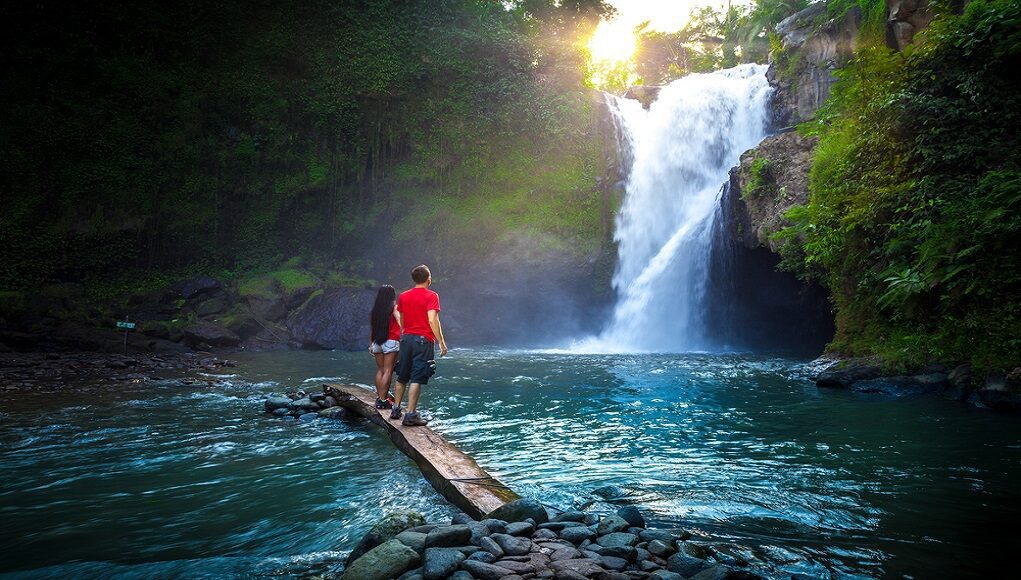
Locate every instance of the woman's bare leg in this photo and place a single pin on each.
(382, 387)
(383, 383)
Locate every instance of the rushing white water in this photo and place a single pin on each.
(681, 149)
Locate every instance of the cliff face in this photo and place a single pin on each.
(813, 47)
(770, 180)
(773, 177)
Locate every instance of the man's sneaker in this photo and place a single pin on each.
(395, 414)
(413, 420)
(381, 404)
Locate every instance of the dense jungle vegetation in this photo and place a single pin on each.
(915, 209)
(145, 140)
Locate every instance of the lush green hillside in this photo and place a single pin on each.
(915, 194)
(146, 140)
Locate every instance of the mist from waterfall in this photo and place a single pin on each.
(681, 151)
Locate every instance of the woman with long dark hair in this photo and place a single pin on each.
(385, 341)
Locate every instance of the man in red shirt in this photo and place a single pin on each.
(420, 314)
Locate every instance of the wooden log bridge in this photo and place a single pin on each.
(454, 474)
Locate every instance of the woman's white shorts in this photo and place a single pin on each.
(386, 348)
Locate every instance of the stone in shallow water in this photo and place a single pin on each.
(685, 565)
(306, 417)
(387, 560)
(632, 516)
(274, 402)
(520, 510)
(611, 524)
(384, 530)
(660, 548)
(440, 562)
(661, 535)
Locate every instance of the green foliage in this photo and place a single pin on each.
(144, 140)
(760, 180)
(916, 196)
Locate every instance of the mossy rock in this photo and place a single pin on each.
(385, 530)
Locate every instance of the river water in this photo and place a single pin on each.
(158, 480)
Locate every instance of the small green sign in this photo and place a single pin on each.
(122, 324)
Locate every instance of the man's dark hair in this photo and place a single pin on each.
(420, 274)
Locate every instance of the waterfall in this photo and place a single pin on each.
(681, 151)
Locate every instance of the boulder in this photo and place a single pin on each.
(210, 333)
(333, 319)
(306, 417)
(383, 562)
(333, 413)
(274, 402)
(843, 376)
(267, 307)
(440, 562)
(685, 565)
(902, 386)
(520, 510)
(384, 530)
(495, 526)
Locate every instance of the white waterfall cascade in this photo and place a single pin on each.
(682, 149)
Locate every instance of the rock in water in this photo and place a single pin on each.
(387, 560)
(440, 562)
(520, 510)
(384, 530)
(274, 402)
(631, 515)
(611, 524)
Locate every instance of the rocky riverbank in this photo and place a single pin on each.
(999, 391)
(88, 370)
(520, 540)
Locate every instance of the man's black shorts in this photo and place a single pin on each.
(417, 360)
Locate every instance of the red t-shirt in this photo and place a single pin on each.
(395, 329)
(414, 306)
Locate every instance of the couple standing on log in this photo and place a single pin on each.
(405, 328)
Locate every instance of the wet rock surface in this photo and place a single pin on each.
(619, 553)
(89, 370)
